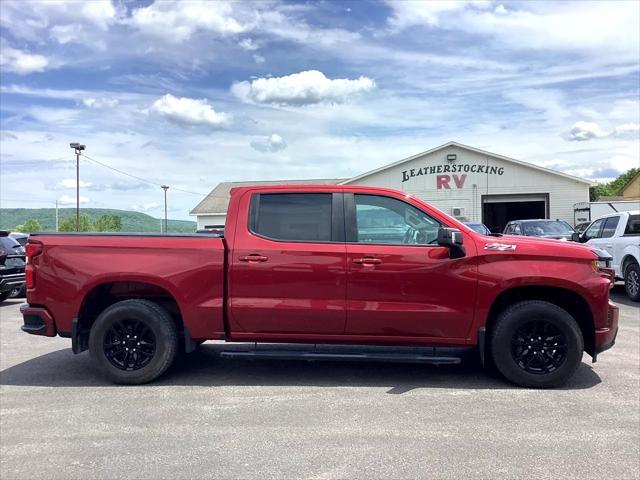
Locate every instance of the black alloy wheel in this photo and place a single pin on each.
(539, 347)
(129, 344)
(133, 341)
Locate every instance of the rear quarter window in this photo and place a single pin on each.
(633, 225)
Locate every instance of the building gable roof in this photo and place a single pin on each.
(634, 179)
(471, 149)
(216, 202)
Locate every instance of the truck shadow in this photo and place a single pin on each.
(205, 368)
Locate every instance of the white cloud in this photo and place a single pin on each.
(99, 12)
(66, 33)
(67, 200)
(99, 103)
(259, 58)
(596, 28)
(178, 21)
(248, 44)
(22, 63)
(304, 88)
(407, 13)
(147, 207)
(272, 143)
(31, 20)
(188, 111)
(71, 183)
(582, 131)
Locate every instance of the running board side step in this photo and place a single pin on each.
(429, 355)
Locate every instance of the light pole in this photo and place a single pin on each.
(78, 148)
(165, 188)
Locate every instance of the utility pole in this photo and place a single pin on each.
(78, 148)
(165, 188)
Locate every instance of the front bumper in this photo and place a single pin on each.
(11, 282)
(605, 337)
(37, 321)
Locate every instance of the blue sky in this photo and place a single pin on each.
(194, 93)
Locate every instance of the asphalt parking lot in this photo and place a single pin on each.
(216, 418)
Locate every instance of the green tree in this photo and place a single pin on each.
(108, 223)
(69, 224)
(614, 187)
(30, 226)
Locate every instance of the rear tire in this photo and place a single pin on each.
(536, 344)
(133, 341)
(632, 281)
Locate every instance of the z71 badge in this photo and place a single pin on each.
(500, 247)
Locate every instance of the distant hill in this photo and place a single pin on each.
(131, 221)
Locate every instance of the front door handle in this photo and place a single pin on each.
(254, 257)
(609, 245)
(367, 261)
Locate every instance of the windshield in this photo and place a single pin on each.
(550, 227)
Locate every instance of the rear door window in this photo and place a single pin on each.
(610, 225)
(292, 217)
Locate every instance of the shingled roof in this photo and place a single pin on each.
(218, 199)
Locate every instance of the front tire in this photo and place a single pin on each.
(536, 344)
(632, 282)
(133, 341)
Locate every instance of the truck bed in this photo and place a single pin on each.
(186, 267)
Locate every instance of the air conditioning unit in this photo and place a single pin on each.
(457, 212)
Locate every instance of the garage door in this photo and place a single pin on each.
(498, 210)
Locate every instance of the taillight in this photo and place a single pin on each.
(30, 276)
(32, 249)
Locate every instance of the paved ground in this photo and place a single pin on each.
(270, 419)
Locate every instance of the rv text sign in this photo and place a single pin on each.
(444, 180)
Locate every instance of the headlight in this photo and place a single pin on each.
(604, 258)
(602, 265)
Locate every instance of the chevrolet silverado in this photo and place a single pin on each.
(343, 272)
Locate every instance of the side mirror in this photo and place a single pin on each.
(452, 239)
(575, 237)
(449, 237)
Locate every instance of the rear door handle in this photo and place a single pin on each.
(254, 257)
(609, 246)
(367, 261)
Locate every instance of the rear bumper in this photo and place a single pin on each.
(605, 337)
(11, 281)
(37, 321)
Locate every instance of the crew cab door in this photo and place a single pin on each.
(287, 272)
(400, 282)
(600, 233)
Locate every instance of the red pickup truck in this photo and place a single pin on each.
(352, 272)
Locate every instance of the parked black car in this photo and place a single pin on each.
(12, 263)
(557, 229)
(21, 238)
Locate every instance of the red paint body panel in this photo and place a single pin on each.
(315, 292)
(191, 269)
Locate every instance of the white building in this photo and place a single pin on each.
(465, 182)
